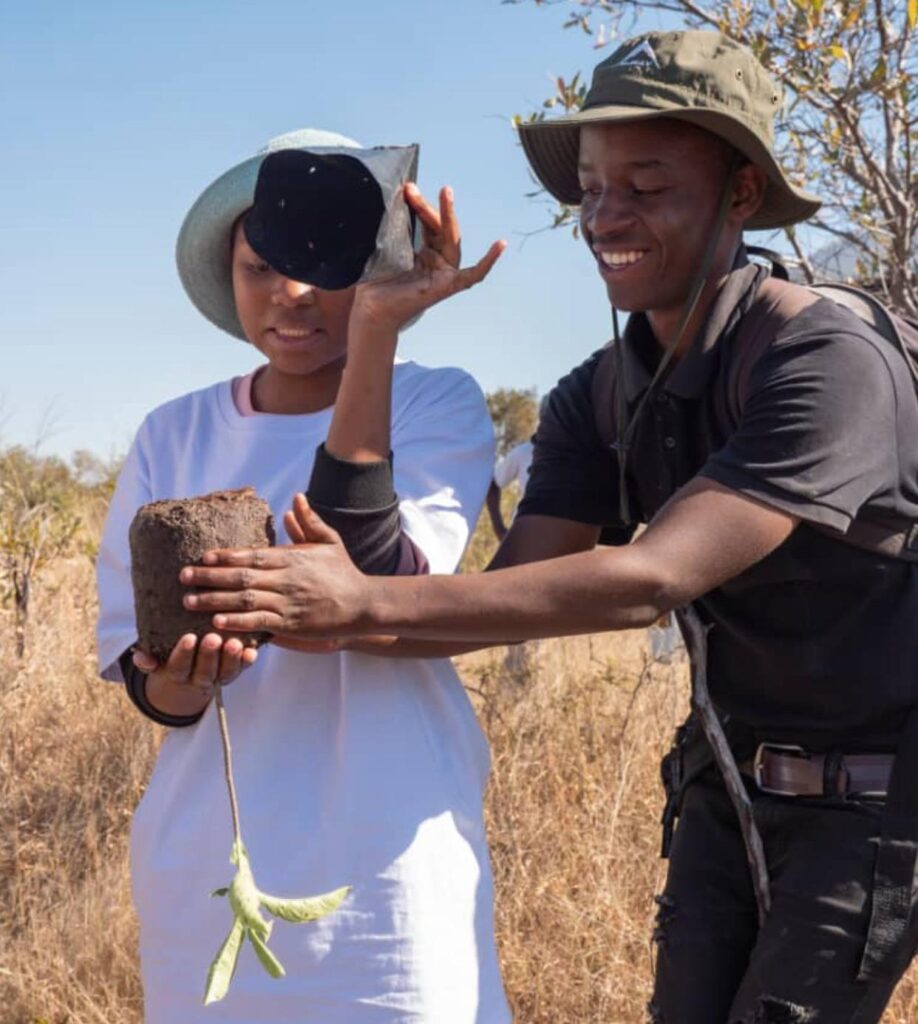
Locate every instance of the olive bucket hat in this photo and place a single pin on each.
(288, 191)
(704, 78)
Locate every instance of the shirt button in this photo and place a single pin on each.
(661, 397)
(669, 442)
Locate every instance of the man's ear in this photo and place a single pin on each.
(749, 185)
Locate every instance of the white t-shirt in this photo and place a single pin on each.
(351, 770)
(514, 466)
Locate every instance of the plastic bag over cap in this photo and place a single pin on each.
(333, 219)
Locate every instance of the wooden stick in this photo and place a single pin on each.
(228, 762)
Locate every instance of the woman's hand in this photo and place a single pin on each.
(312, 590)
(389, 303)
(184, 683)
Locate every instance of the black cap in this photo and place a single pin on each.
(316, 217)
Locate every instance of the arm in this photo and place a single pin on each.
(704, 536)
(352, 482)
(530, 539)
(360, 427)
(821, 406)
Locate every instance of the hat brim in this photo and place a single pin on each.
(204, 249)
(552, 148)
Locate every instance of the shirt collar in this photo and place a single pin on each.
(690, 376)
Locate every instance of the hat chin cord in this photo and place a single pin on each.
(626, 426)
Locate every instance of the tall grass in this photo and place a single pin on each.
(74, 758)
(573, 807)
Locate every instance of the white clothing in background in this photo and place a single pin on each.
(350, 770)
(666, 639)
(514, 466)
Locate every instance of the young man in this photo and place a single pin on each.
(812, 651)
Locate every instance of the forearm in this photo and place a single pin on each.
(351, 486)
(360, 427)
(588, 592)
(704, 536)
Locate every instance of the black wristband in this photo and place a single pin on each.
(358, 500)
(358, 486)
(135, 685)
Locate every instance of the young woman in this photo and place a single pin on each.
(350, 770)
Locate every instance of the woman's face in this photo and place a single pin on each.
(298, 328)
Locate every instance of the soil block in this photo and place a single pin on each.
(167, 535)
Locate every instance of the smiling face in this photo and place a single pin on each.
(651, 190)
(301, 330)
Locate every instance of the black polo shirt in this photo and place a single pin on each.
(819, 636)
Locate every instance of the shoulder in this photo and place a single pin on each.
(570, 407)
(580, 378)
(827, 343)
(832, 326)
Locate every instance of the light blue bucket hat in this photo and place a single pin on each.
(203, 252)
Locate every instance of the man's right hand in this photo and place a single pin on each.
(184, 683)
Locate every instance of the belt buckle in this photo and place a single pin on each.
(758, 763)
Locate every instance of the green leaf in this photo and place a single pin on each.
(244, 897)
(309, 908)
(269, 961)
(224, 966)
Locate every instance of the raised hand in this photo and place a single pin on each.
(389, 303)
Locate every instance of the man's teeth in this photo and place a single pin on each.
(286, 333)
(620, 259)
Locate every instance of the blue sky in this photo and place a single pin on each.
(117, 114)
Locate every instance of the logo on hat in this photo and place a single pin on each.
(641, 55)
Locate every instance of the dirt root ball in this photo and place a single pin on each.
(167, 535)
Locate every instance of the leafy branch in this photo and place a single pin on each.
(247, 900)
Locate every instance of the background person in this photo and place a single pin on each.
(511, 468)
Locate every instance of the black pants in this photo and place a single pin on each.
(714, 964)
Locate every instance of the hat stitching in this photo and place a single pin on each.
(641, 55)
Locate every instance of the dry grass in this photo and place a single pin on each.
(73, 761)
(573, 810)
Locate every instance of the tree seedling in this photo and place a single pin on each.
(247, 901)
